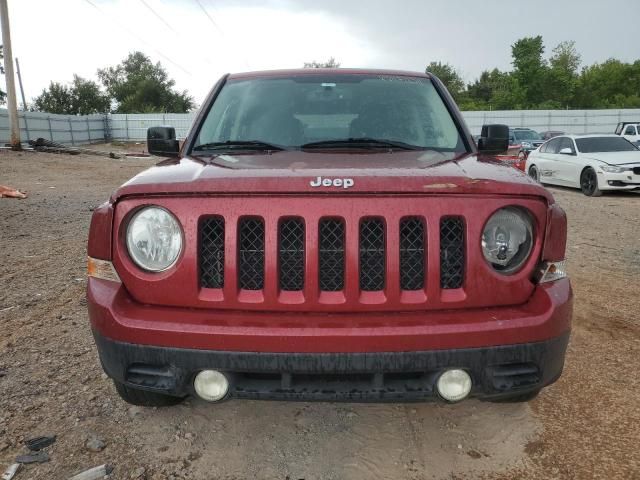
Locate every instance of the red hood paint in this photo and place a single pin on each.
(290, 172)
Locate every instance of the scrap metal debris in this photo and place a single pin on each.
(9, 192)
(34, 457)
(38, 443)
(93, 473)
(44, 145)
(10, 472)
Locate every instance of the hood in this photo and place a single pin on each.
(296, 172)
(616, 158)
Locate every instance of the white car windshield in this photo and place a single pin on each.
(604, 144)
(526, 135)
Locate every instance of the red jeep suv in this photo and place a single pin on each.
(329, 235)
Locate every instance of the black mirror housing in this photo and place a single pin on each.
(494, 139)
(161, 141)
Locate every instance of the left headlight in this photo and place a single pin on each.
(154, 239)
(507, 239)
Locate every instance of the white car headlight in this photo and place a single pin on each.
(154, 239)
(612, 169)
(507, 239)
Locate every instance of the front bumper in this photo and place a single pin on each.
(497, 372)
(350, 357)
(618, 181)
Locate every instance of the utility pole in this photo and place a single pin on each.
(10, 77)
(24, 102)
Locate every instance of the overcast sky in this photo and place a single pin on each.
(53, 39)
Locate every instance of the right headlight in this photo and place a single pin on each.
(612, 169)
(507, 239)
(154, 239)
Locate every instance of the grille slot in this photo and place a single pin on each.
(251, 254)
(212, 253)
(291, 254)
(412, 254)
(372, 255)
(451, 252)
(331, 255)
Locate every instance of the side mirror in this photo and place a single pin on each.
(566, 151)
(494, 139)
(161, 141)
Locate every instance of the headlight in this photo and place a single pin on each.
(612, 169)
(527, 144)
(154, 239)
(507, 239)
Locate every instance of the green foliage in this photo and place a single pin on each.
(331, 63)
(81, 97)
(539, 83)
(450, 77)
(139, 86)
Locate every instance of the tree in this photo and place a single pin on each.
(331, 63)
(562, 76)
(530, 69)
(81, 97)
(137, 85)
(55, 99)
(449, 76)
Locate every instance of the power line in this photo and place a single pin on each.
(159, 17)
(132, 33)
(215, 24)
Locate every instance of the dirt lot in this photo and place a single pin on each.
(585, 426)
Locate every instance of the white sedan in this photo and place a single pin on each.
(592, 163)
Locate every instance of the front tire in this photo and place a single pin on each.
(589, 183)
(533, 173)
(144, 398)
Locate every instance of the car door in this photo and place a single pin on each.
(547, 164)
(568, 162)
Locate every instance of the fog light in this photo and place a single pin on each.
(454, 385)
(211, 385)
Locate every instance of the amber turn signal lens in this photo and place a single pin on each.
(102, 269)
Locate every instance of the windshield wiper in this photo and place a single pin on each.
(364, 142)
(238, 145)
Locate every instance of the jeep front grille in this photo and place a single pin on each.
(451, 252)
(291, 254)
(330, 248)
(412, 259)
(372, 253)
(331, 255)
(211, 245)
(251, 254)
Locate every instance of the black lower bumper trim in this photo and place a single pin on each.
(497, 372)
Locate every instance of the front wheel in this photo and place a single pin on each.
(589, 183)
(144, 398)
(533, 173)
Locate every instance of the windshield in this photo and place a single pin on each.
(526, 135)
(294, 111)
(604, 144)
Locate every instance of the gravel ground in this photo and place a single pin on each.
(585, 426)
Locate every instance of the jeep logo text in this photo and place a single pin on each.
(332, 182)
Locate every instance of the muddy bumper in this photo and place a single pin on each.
(497, 372)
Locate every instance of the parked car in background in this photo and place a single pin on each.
(593, 163)
(527, 139)
(549, 134)
(630, 131)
